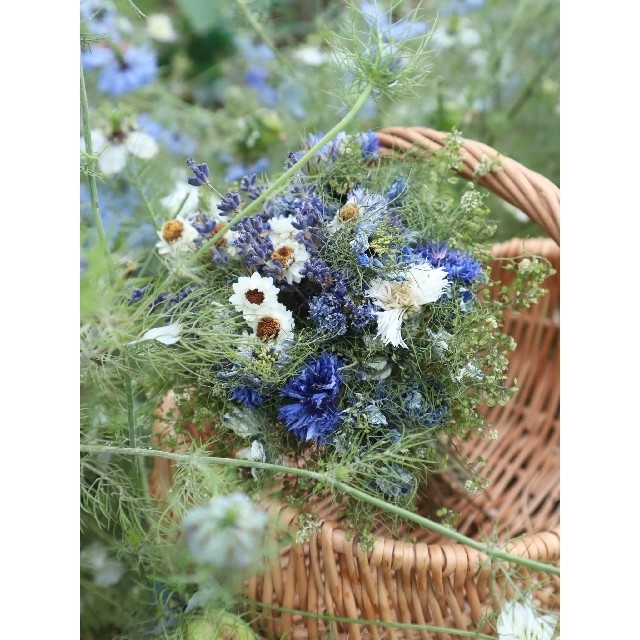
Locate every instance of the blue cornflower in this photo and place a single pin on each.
(125, 69)
(315, 416)
(248, 396)
(369, 144)
(457, 264)
(391, 31)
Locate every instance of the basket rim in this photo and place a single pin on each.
(532, 193)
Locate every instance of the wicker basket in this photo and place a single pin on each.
(433, 580)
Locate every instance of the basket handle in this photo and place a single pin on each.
(533, 194)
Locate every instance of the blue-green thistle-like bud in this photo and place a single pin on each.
(225, 534)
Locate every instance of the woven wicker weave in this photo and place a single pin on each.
(431, 579)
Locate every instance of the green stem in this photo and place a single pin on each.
(139, 472)
(283, 178)
(340, 486)
(260, 32)
(376, 623)
(92, 167)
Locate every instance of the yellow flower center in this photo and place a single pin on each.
(172, 230)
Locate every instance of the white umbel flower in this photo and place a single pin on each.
(422, 284)
(177, 237)
(113, 153)
(520, 622)
(254, 296)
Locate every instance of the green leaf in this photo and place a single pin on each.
(202, 15)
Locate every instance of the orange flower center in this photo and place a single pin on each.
(284, 255)
(268, 329)
(348, 212)
(172, 230)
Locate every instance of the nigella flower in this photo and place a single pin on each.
(391, 31)
(422, 285)
(254, 296)
(177, 237)
(315, 415)
(225, 534)
(113, 148)
(521, 622)
(124, 68)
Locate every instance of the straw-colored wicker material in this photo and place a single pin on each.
(432, 580)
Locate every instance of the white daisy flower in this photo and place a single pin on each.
(520, 622)
(275, 326)
(282, 230)
(423, 284)
(113, 152)
(293, 257)
(253, 297)
(177, 237)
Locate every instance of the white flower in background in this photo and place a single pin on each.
(226, 533)
(160, 28)
(254, 452)
(275, 326)
(177, 237)
(423, 284)
(520, 622)
(182, 200)
(106, 571)
(113, 151)
(311, 55)
(169, 334)
(254, 296)
(292, 256)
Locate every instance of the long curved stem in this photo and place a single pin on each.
(338, 485)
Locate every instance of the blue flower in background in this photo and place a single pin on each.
(124, 70)
(314, 416)
(237, 170)
(391, 31)
(177, 143)
(462, 7)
